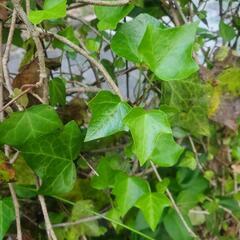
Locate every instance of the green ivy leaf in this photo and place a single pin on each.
(226, 32)
(108, 114)
(57, 91)
(167, 151)
(51, 157)
(35, 122)
(7, 215)
(109, 17)
(128, 190)
(152, 205)
(128, 37)
(145, 127)
(52, 9)
(168, 52)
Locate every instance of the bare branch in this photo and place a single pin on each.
(50, 233)
(43, 82)
(7, 53)
(17, 211)
(105, 3)
(82, 220)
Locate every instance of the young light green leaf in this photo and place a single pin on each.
(168, 52)
(152, 205)
(109, 17)
(167, 151)
(57, 91)
(35, 122)
(108, 114)
(128, 190)
(128, 37)
(7, 215)
(145, 127)
(51, 10)
(51, 157)
(226, 31)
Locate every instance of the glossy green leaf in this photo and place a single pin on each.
(7, 215)
(128, 190)
(51, 157)
(167, 151)
(226, 31)
(35, 122)
(108, 112)
(168, 52)
(145, 127)
(152, 206)
(128, 37)
(109, 17)
(57, 91)
(51, 10)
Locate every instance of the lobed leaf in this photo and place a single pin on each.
(128, 190)
(109, 17)
(51, 10)
(168, 52)
(51, 157)
(108, 112)
(25, 126)
(152, 206)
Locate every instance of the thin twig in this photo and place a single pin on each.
(17, 211)
(15, 99)
(43, 81)
(50, 233)
(1, 73)
(189, 230)
(195, 153)
(106, 3)
(82, 220)
(81, 51)
(7, 53)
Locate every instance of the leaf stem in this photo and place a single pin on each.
(189, 230)
(107, 218)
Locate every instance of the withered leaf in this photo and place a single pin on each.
(3, 10)
(7, 172)
(228, 112)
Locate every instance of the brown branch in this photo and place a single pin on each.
(43, 82)
(1, 73)
(15, 99)
(81, 51)
(82, 220)
(50, 233)
(105, 3)
(7, 53)
(17, 211)
(11, 188)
